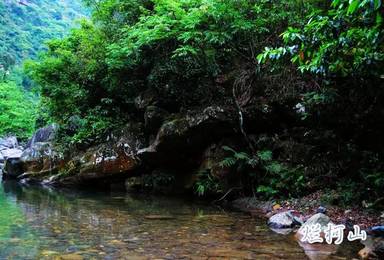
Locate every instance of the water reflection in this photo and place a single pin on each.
(47, 224)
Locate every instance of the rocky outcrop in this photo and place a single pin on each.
(180, 138)
(43, 135)
(114, 158)
(178, 142)
(43, 162)
(154, 118)
(41, 159)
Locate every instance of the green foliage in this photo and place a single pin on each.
(207, 184)
(17, 111)
(237, 157)
(343, 40)
(159, 182)
(272, 178)
(24, 28)
(326, 58)
(174, 47)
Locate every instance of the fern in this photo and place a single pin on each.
(236, 157)
(228, 162)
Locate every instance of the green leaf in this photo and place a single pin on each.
(265, 155)
(379, 18)
(353, 6)
(335, 3)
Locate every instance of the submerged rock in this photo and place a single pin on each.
(319, 251)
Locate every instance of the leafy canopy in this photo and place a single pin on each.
(17, 111)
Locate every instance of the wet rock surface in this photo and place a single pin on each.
(114, 158)
(39, 158)
(284, 220)
(43, 135)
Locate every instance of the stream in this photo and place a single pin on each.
(44, 223)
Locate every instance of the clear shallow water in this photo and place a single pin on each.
(40, 223)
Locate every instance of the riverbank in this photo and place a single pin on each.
(298, 213)
(308, 206)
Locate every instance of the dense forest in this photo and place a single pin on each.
(25, 26)
(261, 121)
(291, 91)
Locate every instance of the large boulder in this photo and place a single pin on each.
(41, 159)
(37, 160)
(319, 218)
(43, 135)
(114, 158)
